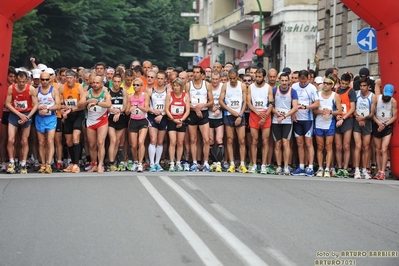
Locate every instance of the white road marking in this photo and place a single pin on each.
(191, 185)
(226, 214)
(202, 250)
(280, 257)
(243, 251)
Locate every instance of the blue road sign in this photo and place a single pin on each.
(367, 39)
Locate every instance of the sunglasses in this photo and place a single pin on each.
(246, 80)
(150, 77)
(136, 85)
(45, 79)
(327, 83)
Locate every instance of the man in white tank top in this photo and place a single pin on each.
(385, 116)
(364, 112)
(233, 101)
(201, 99)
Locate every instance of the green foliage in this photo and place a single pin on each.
(82, 32)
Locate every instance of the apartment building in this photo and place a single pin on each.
(229, 30)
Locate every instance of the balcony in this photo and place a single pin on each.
(188, 49)
(198, 32)
(188, 11)
(235, 20)
(251, 7)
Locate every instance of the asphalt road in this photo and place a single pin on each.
(196, 219)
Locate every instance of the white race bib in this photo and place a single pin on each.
(283, 111)
(383, 113)
(118, 106)
(96, 109)
(177, 110)
(71, 102)
(197, 99)
(344, 109)
(21, 104)
(363, 112)
(234, 103)
(259, 103)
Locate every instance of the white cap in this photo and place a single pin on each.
(318, 80)
(36, 73)
(241, 71)
(50, 71)
(42, 67)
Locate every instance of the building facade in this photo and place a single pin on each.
(228, 31)
(337, 40)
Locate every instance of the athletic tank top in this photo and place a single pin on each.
(71, 96)
(199, 95)
(233, 98)
(216, 95)
(157, 101)
(260, 97)
(363, 104)
(384, 110)
(329, 103)
(138, 114)
(283, 104)
(177, 106)
(345, 102)
(21, 101)
(116, 98)
(46, 99)
(96, 113)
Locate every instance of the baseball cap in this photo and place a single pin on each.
(364, 71)
(42, 67)
(318, 80)
(287, 70)
(36, 73)
(241, 71)
(50, 71)
(388, 90)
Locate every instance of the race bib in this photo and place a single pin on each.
(383, 113)
(118, 106)
(197, 99)
(177, 110)
(96, 109)
(71, 102)
(21, 104)
(137, 111)
(259, 103)
(363, 112)
(344, 109)
(283, 111)
(234, 103)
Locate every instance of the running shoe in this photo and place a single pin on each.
(121, 166)
(299, 171)
(135, 167)
(158, 168)
(186, 167)
(206, 168)
(287, 170)
(333, 172)
(366, 175)
(382, 176)
(346, 174)
(4, 167)
(23, 170)
(320, 173)
(327, 174)
(357, 175)
(42, 169)
(11, 168)
(113, 167)
(75, 169)
(213, 167)
(378, 175)
(69, 168)
(152, 168)
(59, 167)
(339, 174)
(263, 169)
(139, 168)
(279, 170)
(270, 170)
(179, 167)
(129, 166)
(194, 167)
(48, 169)
(231, 169)
(243, 169)
(171, 167)
(218, 167)
(252, 169)
(310, 172)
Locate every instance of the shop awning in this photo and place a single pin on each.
(246, 60)
(205, 62)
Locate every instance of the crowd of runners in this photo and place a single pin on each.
(215, 119)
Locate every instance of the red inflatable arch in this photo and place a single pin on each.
(383, 16)
(10, 11)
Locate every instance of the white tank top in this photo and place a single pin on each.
(260, 97)
(328, 103)
(283, 103)
(216, 95)
(384, 110)
(46, 99)
(363, 104)
(233, 97)
(157, 101)
(199, 95)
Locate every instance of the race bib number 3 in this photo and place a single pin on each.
(363, 112)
